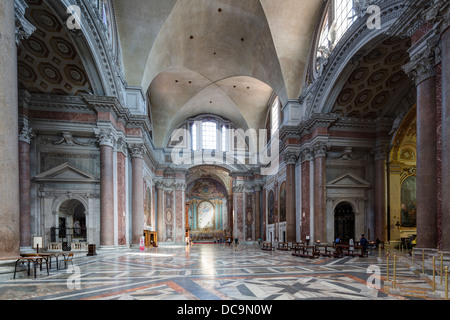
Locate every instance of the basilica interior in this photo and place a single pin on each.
(200, 121)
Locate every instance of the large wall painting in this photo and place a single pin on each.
(408, 203)
(205, 215)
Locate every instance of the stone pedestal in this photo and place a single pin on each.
(9, 143)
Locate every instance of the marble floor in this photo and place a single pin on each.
(216, 272)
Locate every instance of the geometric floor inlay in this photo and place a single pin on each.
(213, 272)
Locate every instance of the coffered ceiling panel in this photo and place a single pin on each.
(369, 90)
(48, 61)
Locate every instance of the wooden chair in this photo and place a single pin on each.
(67, 259)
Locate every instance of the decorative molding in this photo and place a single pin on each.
(24, 29)
(70, 140)
(26, 135)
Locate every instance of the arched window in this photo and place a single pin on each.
(275, 116)
(210, 133)
(338, 17)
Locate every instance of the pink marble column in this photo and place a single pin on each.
(25, 186)
(9, 144)
(306, 196)
(320, 232)
(290, 160)
(106, 140)
(380, 231)
(422, 69)
(426, 201)
(121, 194)
(137, 198)
(445, 122)
(257, 212)
(159, 210)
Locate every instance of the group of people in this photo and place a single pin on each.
(363, 242)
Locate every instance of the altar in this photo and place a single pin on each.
(151, 238)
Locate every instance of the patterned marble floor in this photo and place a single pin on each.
(214, 272)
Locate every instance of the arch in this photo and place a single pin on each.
(344, 221)
(63, 198)
(320, 95)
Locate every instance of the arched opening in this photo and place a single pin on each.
(207, 201)
(344, 222)
(71, 224)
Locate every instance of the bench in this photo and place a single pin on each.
(283, 246)
(296, 244)
(304, 251)
(267, 246)
(328, 250)
(353, 250)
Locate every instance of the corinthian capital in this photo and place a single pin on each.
(320, 150)
(26, 134)
(381, 149)
(137, 150)
(421, 66)
(290, 157)
(105, 138)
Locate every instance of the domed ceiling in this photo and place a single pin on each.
(223, 57)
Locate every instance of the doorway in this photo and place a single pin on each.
(344, 222)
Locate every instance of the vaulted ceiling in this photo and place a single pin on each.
(224, 57)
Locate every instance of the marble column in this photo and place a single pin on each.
(230, 215)
(9, 128)
(445, 122)
(258, 212)
(305, 177)
(320, 232)
(380, 226)
(422, 69)
(159, 210)
(106, 141)
(290, 160)
(25, 137)
(137, 198)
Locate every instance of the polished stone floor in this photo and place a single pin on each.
(215, 272)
